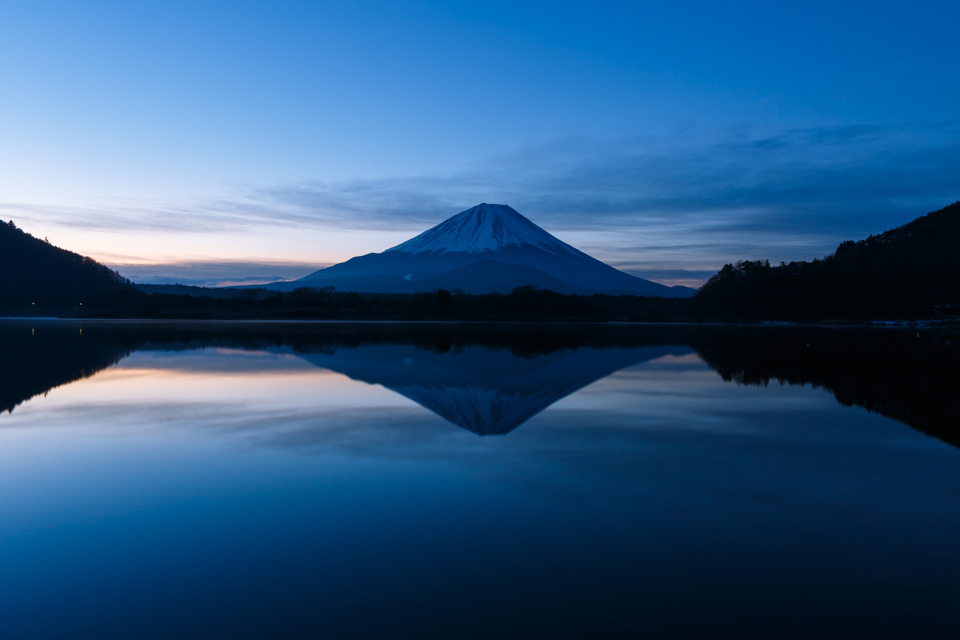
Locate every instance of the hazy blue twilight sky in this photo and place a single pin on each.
(215, 140)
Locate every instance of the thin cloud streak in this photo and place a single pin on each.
(732, 180)
(222, 273)
(689, 201)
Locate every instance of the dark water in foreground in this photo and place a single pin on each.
(164, 480)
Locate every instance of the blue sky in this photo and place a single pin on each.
(211, 141)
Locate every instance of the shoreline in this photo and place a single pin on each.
(870, 324)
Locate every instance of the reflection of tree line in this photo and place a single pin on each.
(33, 364)
(900, 374)
(892, 372)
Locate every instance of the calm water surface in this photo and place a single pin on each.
(163, 480)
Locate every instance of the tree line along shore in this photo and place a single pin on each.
(909, 273)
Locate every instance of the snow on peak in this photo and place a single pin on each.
(485, 227)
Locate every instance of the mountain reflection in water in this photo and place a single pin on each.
(490, 379)
(280, 480)
(486, 391)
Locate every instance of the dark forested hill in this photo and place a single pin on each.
(910, 271)
(37, 277)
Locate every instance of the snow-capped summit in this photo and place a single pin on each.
(485, 227)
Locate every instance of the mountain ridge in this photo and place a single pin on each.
(39, 277)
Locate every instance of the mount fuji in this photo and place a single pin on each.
(487, 248)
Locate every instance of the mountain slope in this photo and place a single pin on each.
(36, 276)
(481, 234)
(475, 277)
(491, 275)
(904, 271)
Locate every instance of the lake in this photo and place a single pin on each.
(305, 480)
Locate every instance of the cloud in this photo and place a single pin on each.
(214, 273)
(844, 179)
(116, 214)
(670, 277)
(691, 200)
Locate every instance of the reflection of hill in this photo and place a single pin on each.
(902, 374)
(480, 389)
(34, 364)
